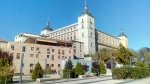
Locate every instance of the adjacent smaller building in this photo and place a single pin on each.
(37, 49)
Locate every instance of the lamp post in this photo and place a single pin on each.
(21, 68)
(45, 67)
(111, 64)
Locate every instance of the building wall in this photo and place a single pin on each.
(104, 40)
(78, 48)
(34, 53)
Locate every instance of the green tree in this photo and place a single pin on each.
(102, 69)
(6, 67)
(79, 69)
(122, 55)
(68, 69)
(103, 54)
(37, 72)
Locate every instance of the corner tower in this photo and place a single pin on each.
(46, 30)
(123, 38)
(86, 30)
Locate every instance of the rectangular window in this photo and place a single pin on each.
(23, 49)
(18, 56)
(58, 57)
(91, 35)
(69, 51)
(52, 57)
(52, 65)
(58, 65)
(32, 48)
(82, 34)
(48, 49)
(47, 56)
(31, 67)
(59, 51)
(52, 50)
(31, 55)
(37, 55)
(47, 66)
(63, 52)
(12, 47)
(37, 48)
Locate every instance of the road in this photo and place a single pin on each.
(94, 80)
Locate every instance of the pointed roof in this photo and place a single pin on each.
(86, 11)
(122, 33)
(48, 27)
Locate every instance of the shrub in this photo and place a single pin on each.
(65, 73)
(79, 69)
(93, 70)
(102, 68)
(37, 72)
(131, 72)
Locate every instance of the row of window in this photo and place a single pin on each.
(37, 49)
(63, 31)
(37, 56)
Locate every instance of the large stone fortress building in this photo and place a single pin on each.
(82, 31)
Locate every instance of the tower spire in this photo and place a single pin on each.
(86, 11)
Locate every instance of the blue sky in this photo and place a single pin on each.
(30, 16)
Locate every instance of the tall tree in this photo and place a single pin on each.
(6, 67)
(122, 55)
(37, 72)
(79, 69)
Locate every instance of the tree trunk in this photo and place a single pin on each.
(5, 79)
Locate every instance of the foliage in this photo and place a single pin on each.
(95, 65)
(108, 64)
(122, 55)
(102, 69)
(6, 67)
(93, 70)
(68, 64)
(69, 68)
(50, 71)
(103, 54)
(87, 55)
(139, 63)
(79, 69)
(130, 72)
(37, 72)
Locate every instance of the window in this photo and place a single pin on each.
(82, 26)
(23, 49)
(58, 65)
(82, 34)
(74, 37)
(12, 54)
(37, 48)
(48, 49)
(91, 35)
(82, 20)
(37, 55)
(47, 66)
(63, 52)
(52, 65)
(52, 50)
(91, 44)
(59, 51)
(32, 48)
(12, 47)
(69, 51)
(52, 57)
(31, 55)
(31, 67)
(47, 56)
(58, 57)
(18, 56)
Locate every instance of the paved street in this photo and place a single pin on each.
(94, 80)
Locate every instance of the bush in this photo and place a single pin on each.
(131, 72)
(37, 72)
(102, 68)
(79, 69)
(93, 70)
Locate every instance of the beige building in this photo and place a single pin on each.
(82, 31)
(38, 49)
